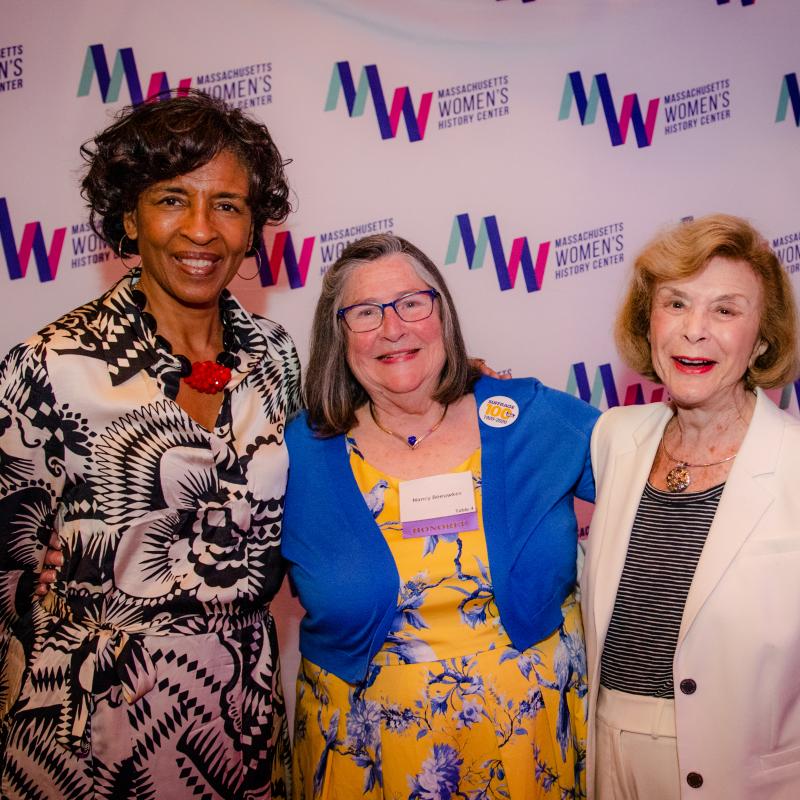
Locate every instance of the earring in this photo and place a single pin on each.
(127, 266)
(257, 257)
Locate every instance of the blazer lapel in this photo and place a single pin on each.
(744, 501)
(630, 469)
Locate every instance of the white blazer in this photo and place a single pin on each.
(739, 639)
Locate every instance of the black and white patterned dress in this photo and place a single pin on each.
(151, 671)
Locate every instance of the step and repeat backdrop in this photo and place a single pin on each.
(530, 147)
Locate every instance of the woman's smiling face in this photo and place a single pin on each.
(704, 332)
(397, 357)
(193, 232)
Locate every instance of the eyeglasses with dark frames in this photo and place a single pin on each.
(411, 307)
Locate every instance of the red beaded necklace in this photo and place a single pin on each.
(208, 377)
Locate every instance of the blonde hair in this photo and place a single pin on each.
(683, 251)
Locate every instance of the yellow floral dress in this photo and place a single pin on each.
(449, 708)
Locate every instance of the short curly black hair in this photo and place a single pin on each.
(156, 141)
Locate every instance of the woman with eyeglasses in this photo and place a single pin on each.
(430, 534)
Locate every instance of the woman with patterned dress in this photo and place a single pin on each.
(146, 428)
(431, 536)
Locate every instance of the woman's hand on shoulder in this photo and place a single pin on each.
(485, 369)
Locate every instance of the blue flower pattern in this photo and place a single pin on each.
(535, 721)
(439, 777)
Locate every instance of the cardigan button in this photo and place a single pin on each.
(688, 686)
(694, 779)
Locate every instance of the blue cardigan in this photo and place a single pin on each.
(343, 569)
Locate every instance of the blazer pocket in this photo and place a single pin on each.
(781, 758)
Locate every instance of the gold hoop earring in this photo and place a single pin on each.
(127, 266)
(257, 257)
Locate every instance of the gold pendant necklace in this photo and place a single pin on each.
(412, 442)
(679, 479)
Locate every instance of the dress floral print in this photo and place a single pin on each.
(151, 670)
(449, 709)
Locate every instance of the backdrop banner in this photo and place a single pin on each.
(530, 147)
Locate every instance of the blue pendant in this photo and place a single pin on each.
(412, 440)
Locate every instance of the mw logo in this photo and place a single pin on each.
(32, 242)
(110, 81)
(283, 251)
(489, 234)
(605, 385)
(790, 93)
(369, 83)
(630, 112)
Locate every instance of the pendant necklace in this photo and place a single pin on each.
(208, 377)
(679, 479)
(410, 441)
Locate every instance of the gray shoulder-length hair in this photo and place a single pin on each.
(332, 394)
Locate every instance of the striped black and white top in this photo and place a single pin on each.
(668, 535)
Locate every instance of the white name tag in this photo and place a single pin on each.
(437, 505)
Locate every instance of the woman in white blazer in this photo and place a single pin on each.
(691, 584)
